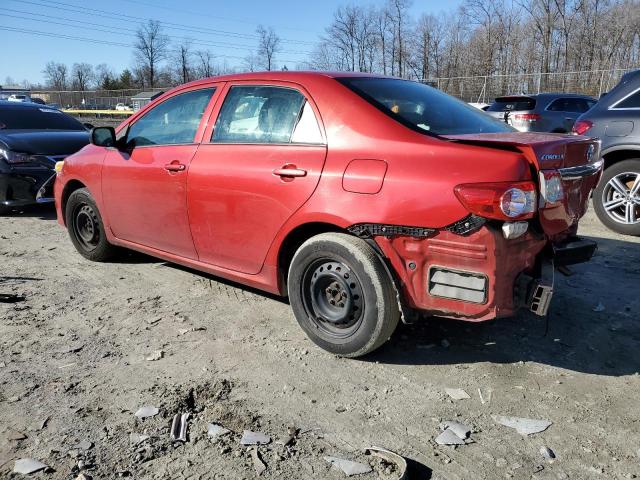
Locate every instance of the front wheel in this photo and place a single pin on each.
(85, 227)
(341, 294)
(616, 199)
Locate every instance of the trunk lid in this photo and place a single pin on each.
(574, 158)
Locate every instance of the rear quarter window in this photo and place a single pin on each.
(632, 101)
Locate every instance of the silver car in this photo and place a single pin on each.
(544, 112)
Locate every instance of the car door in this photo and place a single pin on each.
(262, 162)
(144, 183)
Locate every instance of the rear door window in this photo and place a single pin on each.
(569, 104)
(266, 114)
(508, 104)
(175, 121)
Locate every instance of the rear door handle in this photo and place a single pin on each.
(175, 167)
(290, 172)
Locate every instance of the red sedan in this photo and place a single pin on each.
(364, 199)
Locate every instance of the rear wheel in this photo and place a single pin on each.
(616, 199)
(85, 227)
(341, 294)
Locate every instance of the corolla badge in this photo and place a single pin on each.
(552, 156)
(590, 151)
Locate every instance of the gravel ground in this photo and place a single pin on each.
(75, 365)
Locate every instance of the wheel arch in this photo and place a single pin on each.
(617, 154)
(70, 187)
(292, 242)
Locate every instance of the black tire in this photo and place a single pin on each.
(85, 227)
(340, 268)
(624, 174)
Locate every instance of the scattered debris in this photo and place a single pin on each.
(254, 438)
(84, 445)
(137, 439)
(179, 427)
(15, 436)
(215, 431)
(183, 331)
(27, 466)
(448, 437)
(460, 429)
(454, 433)
(11, 298)
(348, 467)
(147, 411)
(599, 307)
(457, 393)
(289, 437)
(153, 321)
(258, 464)
(390, 457)
(155, 355)
(524, 426)
(501, 462)
(43, 423)
(547, 453)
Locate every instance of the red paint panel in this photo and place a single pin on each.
(144, 202)
(364, 176)
(237, 204)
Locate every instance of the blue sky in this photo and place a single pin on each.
(226, 28)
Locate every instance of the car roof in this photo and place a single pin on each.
(547, 95)
(6, 103)
(287, 76)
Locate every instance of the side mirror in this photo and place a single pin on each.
(103, 136)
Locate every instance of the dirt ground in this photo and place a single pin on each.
(74, 369)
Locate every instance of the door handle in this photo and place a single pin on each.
(175, 167)
(290, 172)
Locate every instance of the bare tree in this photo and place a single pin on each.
(82, 75)
(205, 63)
(55, 75)
(150, 48)
(268, 46)
(104, 76)
(183, 56)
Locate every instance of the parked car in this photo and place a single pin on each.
(17, 97)
(32, 139)
(362, 198)
(544, 112)
(480, 105)
(615, 120)
(121, 107)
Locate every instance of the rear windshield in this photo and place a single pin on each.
(37, 119)
(507, 104)
(423, 108)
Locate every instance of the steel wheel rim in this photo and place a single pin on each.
(86, 227)
(621, 198)
(333, 298)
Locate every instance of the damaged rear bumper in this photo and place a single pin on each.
(482, 275)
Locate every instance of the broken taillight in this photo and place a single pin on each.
(527, 117)
(581, 127)
(499, 200)
(551, 189)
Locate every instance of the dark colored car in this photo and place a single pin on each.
(544, 112)
(33, 138)
(615, 120)
(359, 197)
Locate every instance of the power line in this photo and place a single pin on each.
(103, 42)
(202, 14)
(170, 25)
(101, 27)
